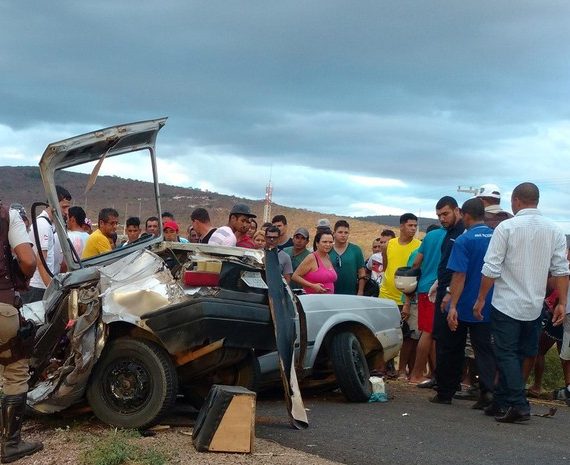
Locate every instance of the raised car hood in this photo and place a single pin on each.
(92, 147)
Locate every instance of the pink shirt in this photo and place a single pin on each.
(321, 275)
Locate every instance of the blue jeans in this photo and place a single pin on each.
(514, 340)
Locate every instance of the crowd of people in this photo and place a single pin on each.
(477, 310)
(491, 292)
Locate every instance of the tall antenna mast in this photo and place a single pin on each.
(268, 196)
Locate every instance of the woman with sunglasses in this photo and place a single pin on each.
(316, 272)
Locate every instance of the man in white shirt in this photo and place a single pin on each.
(75, 221)
(239, 221)
(521, 254)
(50, 248)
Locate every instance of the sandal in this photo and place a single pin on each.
(427, 384)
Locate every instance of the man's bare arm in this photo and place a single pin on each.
(26, 259)
(456, 288)
(361, 280)
(46, 278)
(418, 260)
(561, 285)
(486, 285)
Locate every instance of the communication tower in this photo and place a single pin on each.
(267, 206)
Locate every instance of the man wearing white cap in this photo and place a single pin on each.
(491, 197)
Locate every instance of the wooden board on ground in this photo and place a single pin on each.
(226, 422)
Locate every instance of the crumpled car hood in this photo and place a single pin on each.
(140, 277)
(137, 284)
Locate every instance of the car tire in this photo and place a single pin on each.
(133, 384)
(350, 367)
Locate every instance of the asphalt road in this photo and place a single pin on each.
(410, 430)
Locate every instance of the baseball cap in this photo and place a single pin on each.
(242, 209)
(323, 223)
(303, 232)
(489, 190)
(170, 224)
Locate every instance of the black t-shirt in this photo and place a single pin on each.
(206, 238)
(287, 243)
(443, 274)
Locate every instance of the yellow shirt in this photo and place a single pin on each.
(96, 244)
(397, 255)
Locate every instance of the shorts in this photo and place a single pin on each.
(410, 326)
(565, 350)
(426, 310)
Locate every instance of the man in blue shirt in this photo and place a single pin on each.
(466, 261)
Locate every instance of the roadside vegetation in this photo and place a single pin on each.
(553, 377)
(117, 447)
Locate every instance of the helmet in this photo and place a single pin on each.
(406, 279)
(489, 190)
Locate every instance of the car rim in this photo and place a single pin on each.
(128, 386)
(358, 364)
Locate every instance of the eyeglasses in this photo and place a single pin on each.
(112, 223)
(338, 261)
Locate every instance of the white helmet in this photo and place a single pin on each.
(406, 279)
(489, 190)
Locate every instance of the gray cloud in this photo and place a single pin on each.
(434, 94)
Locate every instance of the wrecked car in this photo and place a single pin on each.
(132, 329)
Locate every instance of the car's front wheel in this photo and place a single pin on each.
(133, 385)
(350, 367)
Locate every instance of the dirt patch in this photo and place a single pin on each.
(83, 441)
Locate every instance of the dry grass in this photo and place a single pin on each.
(88, 442)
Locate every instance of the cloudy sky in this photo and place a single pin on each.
(356, 107)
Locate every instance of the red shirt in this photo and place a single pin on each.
(246, 242)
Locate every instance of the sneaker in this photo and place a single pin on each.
(494, 410)
(513, 415)
(562, 394)
(484, 401)
(467, 394)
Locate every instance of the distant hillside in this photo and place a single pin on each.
(132, 198)
(393, 221)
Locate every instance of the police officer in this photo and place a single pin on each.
(14, 241)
